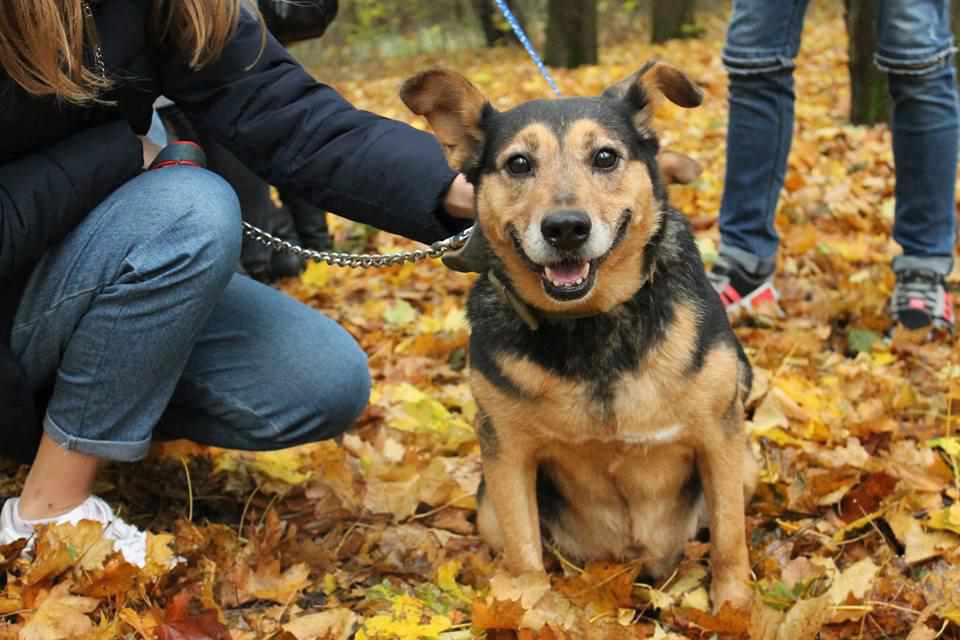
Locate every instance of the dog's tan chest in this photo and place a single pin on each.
(642, 409)
(625, 501)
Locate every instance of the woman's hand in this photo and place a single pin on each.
(150, 151)
(459, 199)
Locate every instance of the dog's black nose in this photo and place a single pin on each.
(566, 230)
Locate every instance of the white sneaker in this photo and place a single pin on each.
(128, 540)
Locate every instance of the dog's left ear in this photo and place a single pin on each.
(643, 89)
(454, 108)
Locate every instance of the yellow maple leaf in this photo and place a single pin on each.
(159, 554)
(286, 466)
(407, 620)
(316, 275)
(950, 445)
(947, 519)
(447, 580)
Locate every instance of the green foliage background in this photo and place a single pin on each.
(367, 30)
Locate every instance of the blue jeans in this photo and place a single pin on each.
(140, 325)
(915, 48)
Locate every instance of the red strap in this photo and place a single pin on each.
(731, 294)
(180, 153)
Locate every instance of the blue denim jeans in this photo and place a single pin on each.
(915, 48)
(140, 325)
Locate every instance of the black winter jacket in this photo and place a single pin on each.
(58, 161)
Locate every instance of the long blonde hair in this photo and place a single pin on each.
(42, 41)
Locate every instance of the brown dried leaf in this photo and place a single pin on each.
(268, 582)
(726, 621)
(920, 544)
(921, 631)
(60, 615)
(117, 578)
(335, 624)
(802, 622)
(61, 547)
(604, 587)
(180, 623)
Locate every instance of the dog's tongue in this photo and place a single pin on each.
(568, 274)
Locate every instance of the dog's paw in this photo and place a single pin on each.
(734, 593)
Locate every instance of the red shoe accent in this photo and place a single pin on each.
(948, 308)
(764, 296)
(917, 303)
(731, 295)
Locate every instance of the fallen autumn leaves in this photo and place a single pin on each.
(853, 532)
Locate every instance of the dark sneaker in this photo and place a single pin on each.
(920, 300)
(739, 289)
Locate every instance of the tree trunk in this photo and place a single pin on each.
(571, 33)
(955, 24)
(496, 31)
(672, 19)
(869, 96)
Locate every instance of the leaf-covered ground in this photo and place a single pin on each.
(853, 532)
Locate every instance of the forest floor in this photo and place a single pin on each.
(853, 532)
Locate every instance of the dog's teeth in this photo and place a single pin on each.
(568, 276)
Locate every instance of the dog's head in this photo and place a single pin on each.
(569, 191)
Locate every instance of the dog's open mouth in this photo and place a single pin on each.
(572, 277)
(569, 280)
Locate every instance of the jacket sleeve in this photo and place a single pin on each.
(45, 194)
(302, 136)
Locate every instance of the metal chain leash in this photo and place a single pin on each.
(357, 260)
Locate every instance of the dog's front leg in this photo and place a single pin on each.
(511, 487)
(721, 464)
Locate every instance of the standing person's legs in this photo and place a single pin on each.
(915, 47)
(762, 41)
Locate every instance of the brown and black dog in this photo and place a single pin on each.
(609, 383)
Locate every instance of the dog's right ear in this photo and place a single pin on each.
(643, 89)
(454, 108)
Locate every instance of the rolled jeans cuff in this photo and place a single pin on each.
(941, 265)
(753, 264)
(739, 65)
(914, 67)
(105, 449)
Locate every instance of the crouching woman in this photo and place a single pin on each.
(121, 317)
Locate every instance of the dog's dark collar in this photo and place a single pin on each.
(522, 309)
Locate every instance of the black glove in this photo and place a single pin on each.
(299, 20)
(310, 222)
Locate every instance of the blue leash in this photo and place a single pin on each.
(525, 41)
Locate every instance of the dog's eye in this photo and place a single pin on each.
(605, 159)
(519, 165)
